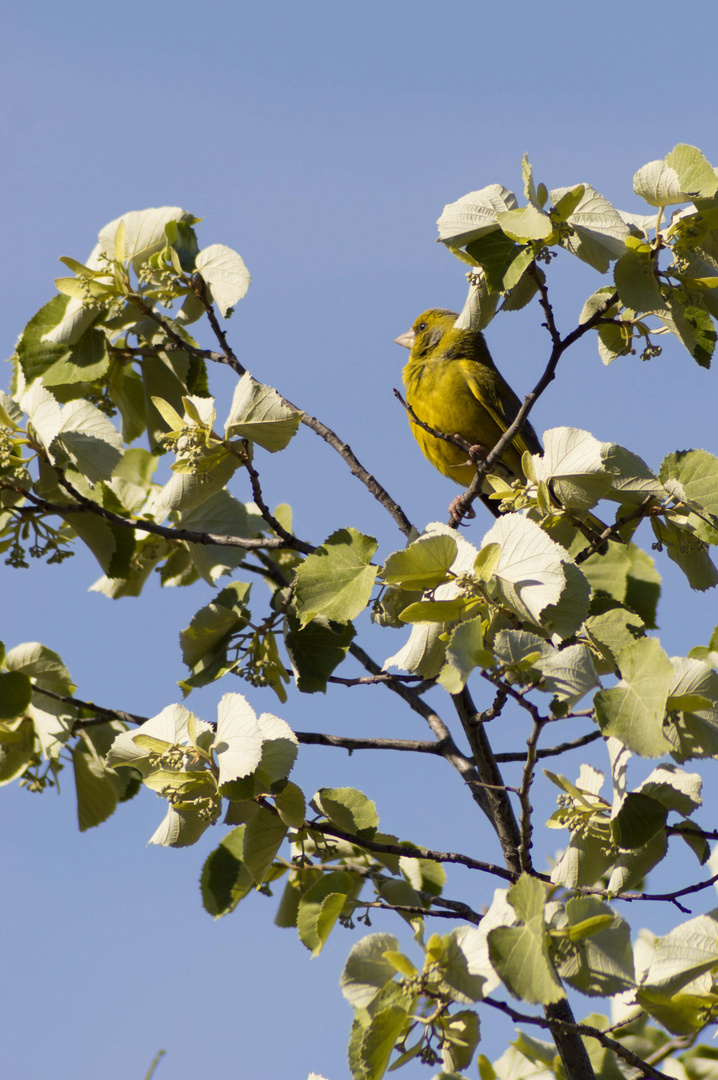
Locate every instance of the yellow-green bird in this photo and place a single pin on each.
(453, 385)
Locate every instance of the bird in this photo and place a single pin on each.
(453, 385)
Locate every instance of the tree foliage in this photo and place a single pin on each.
(535, 617)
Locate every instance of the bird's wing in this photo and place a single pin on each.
(501, 403)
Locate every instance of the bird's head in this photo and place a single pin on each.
(427, 331)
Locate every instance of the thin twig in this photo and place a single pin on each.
(553, 751)
(343, 742)
(408, 909)
(410, 851)
(525, 822)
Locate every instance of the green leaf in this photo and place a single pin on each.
(171, 727)
(659, 184)
(599, 962)
(643, 586)
(206, 640)
(370, 1046)
(320, 907)
(597, 229)
(223, 515)
(225, 879)
(494, 253)
(525, 223)
(479, 307)
(316, 650)
(263, 838)
(638, 820)
(225, 273)
(693, 327)
(439, 611)
(186, 490)
(15, 694)
(464, 651)
(636, 282)
(520, 953)
(692, 476)
(464, 964)
(612, 631)
(474, 215)
(687, 550)
(350, 809)
(423, 654)
(461, 1037)
(569, 674)
(696, 175)
(366, 970)
(290, 805)
(44, 666)
(259, 414)
(532, 576)
(336, 581)
(633, 711)
(423, 564)
(181, 827)
(693, 705)
(94, 785)
(568, 202)
(144, 233)
(35, 350)
(246, 743)
(92, 443)
(17, 749)
(87, 361)
(685, 953)
(574, 466)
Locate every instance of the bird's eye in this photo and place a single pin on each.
(421, 326)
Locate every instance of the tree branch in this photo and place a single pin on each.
(557, 1025)
(410, 851)
(450, 751)
(553, 751)
(525, 797)
(501, 813)
(172, 534)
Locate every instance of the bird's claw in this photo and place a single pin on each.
(456, 514)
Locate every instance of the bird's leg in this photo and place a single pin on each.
(476, 453)
(454, 516)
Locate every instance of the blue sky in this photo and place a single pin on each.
(320, 140)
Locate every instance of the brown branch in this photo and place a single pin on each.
(526, 824)
(173, 534)
(227, 356)
(614, 532)
(112, 714)
(557, 1025)
(408, 909)
(672, 897)
(343, 742)
(450, 751)
(371, 680)
(501, 813)
(264, 510)
(553, 751)
(410, 851)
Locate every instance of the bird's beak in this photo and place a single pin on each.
(407, 339)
